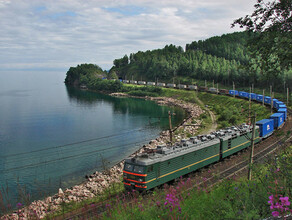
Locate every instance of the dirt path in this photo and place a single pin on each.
(214, 123)
(213, 117)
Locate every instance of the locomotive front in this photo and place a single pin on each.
(134, 175)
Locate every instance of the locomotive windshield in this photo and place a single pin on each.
(129, 167)
(132, 168)
(138, 169)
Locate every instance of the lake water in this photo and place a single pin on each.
(51, 136)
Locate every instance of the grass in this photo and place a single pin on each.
(206, 123)
(230, 111)
(231, 199)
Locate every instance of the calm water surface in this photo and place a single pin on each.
(51, 136)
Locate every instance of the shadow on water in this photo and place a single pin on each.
(132, 106)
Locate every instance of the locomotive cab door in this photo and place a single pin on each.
(221, 149)
(157, 171)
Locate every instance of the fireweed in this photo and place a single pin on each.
(280, 206)
(172, 200)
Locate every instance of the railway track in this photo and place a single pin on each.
(268, 146)
(264, 148)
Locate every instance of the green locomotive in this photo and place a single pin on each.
(148, 170)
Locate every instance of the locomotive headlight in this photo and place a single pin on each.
(140, 180)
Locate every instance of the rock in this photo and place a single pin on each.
(60, 193)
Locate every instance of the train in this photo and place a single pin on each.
(152, 168)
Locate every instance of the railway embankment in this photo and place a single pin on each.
(98, 182)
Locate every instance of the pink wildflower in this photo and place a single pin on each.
(275, 213)
(285, 201)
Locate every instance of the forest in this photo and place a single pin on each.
(224, 59)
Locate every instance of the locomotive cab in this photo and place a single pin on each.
(134, 176)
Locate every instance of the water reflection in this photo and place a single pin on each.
(123, 105)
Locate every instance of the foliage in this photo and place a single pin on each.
(272, 46)
(225, 59)
(104, 85)
(83, 73)
(136, 90)
(227, 46)
(91, 76)
(171, 62)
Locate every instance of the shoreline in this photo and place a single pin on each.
(98, 182)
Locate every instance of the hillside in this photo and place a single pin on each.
(217, 58)
(222, 59)
(228, 46)
(83, 73)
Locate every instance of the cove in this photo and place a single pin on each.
(51, 135)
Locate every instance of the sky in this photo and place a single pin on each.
(58, 34)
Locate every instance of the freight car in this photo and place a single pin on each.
(203, 88)
(252, 96)
(266, 127)
(243, 94)
(213, 90)
(161, 84)
(181, 86)
(278, 118)
(259, 98)
(223, 91)
(284, 111)
(171, 85)
(192, 87)
(148, 170)
(233, 92)
(268, 100)
(151, 84)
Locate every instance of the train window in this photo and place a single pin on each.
(129, 167)
(138, 169)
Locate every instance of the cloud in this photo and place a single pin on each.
(62, 33)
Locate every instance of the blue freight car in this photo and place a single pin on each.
(267, 100)
(278, 103)
(253, 96)
(233, 92)
(274, 102)
(266, 127)
(283, 110)
(281, 106)
(278, 118)
(259, 98)
(243, 94)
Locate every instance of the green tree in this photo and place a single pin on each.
(272, 46)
